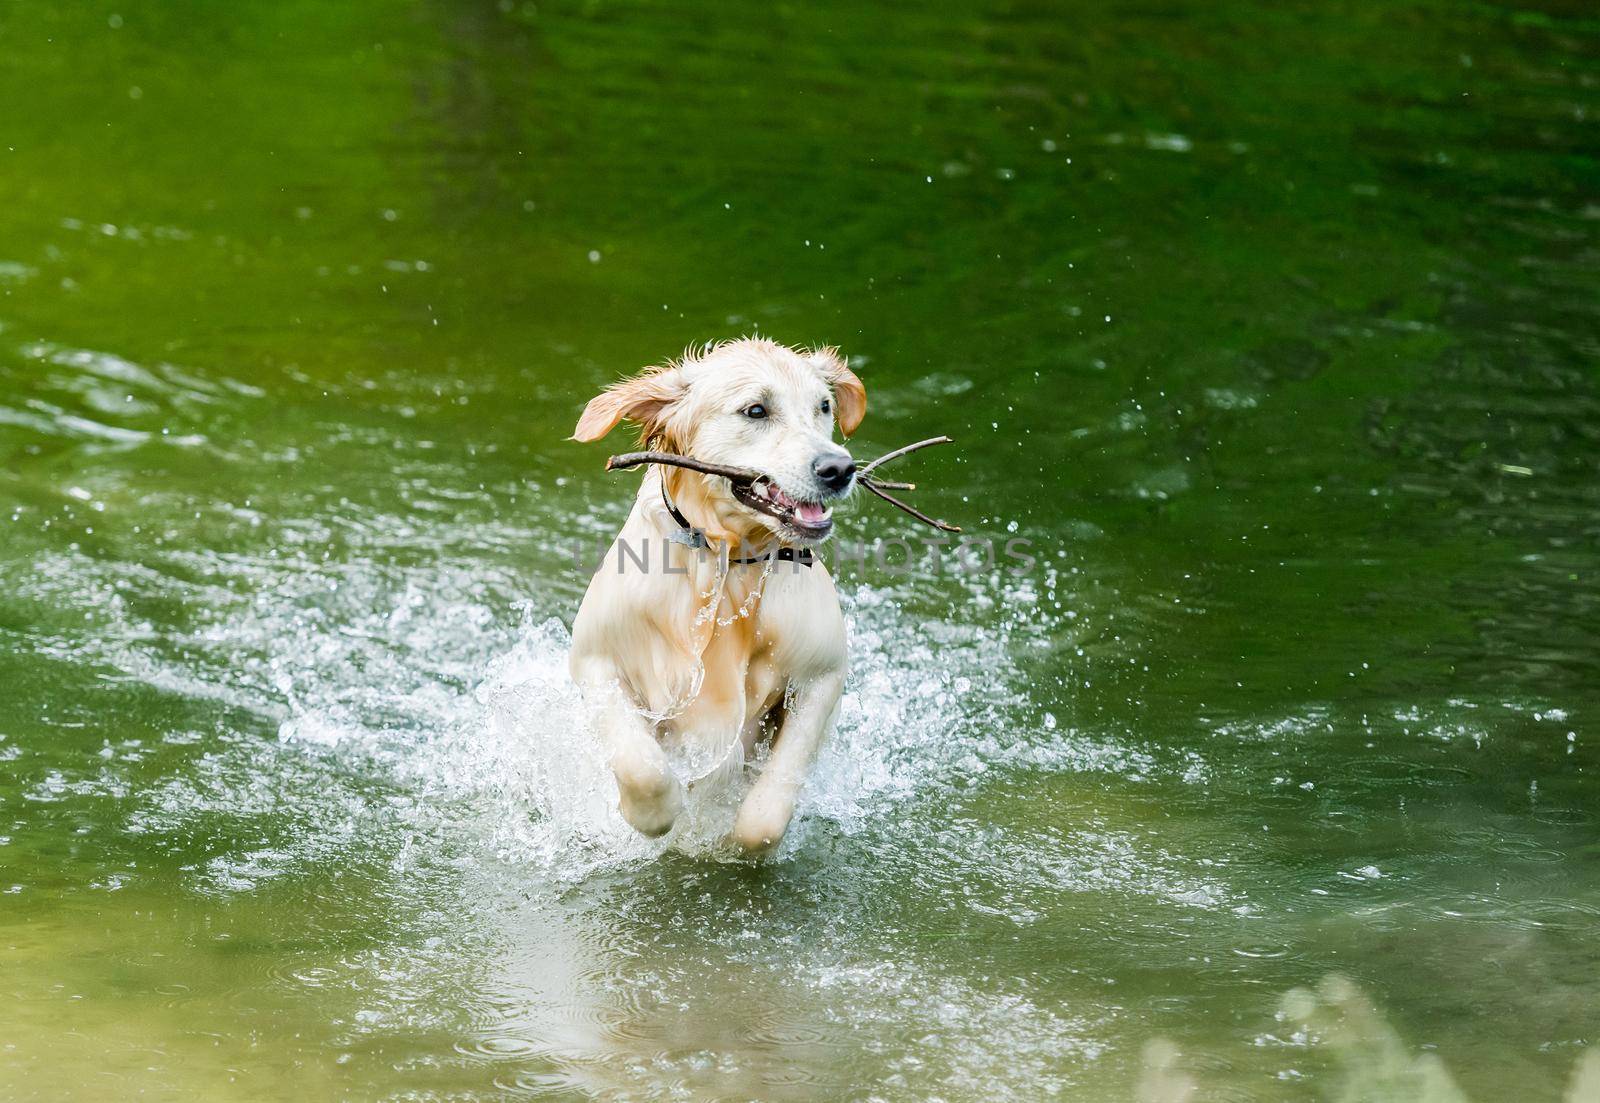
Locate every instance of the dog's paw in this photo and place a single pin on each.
(652, 809)
(759, 830)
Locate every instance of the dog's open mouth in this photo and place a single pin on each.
(808, 519)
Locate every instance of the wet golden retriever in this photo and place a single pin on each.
(710, 626)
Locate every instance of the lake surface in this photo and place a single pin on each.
(1275, 330)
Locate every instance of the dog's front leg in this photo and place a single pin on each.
(766, 810)
(651, 795)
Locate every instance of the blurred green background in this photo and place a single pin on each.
(1274, 327)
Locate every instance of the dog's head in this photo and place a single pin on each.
(753, 404)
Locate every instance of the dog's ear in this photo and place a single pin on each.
(849, 395)
(644, 399)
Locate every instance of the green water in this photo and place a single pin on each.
(1275, 328)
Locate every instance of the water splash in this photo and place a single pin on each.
(409, 679)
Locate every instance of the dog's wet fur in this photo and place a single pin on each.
(709, 653)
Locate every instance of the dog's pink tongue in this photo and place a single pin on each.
(811, 513)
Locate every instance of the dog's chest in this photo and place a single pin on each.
(748, 661)
(740, 676)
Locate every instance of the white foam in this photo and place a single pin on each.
(412, 679)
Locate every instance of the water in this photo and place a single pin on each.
(1275, 332)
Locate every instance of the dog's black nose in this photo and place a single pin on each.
(835, 472)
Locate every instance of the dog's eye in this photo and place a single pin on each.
(755, 412)
(827, 407)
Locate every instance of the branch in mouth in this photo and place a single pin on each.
(745, 481)
(765, 496)
(877, 486)
(906, 450)
(636, 459)
(943, 526)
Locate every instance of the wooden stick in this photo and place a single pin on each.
(898, 452)
(944, 526)
(744, 475)
(634, 459)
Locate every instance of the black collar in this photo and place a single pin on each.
(695, 538)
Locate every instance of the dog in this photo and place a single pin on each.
(731, 637)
